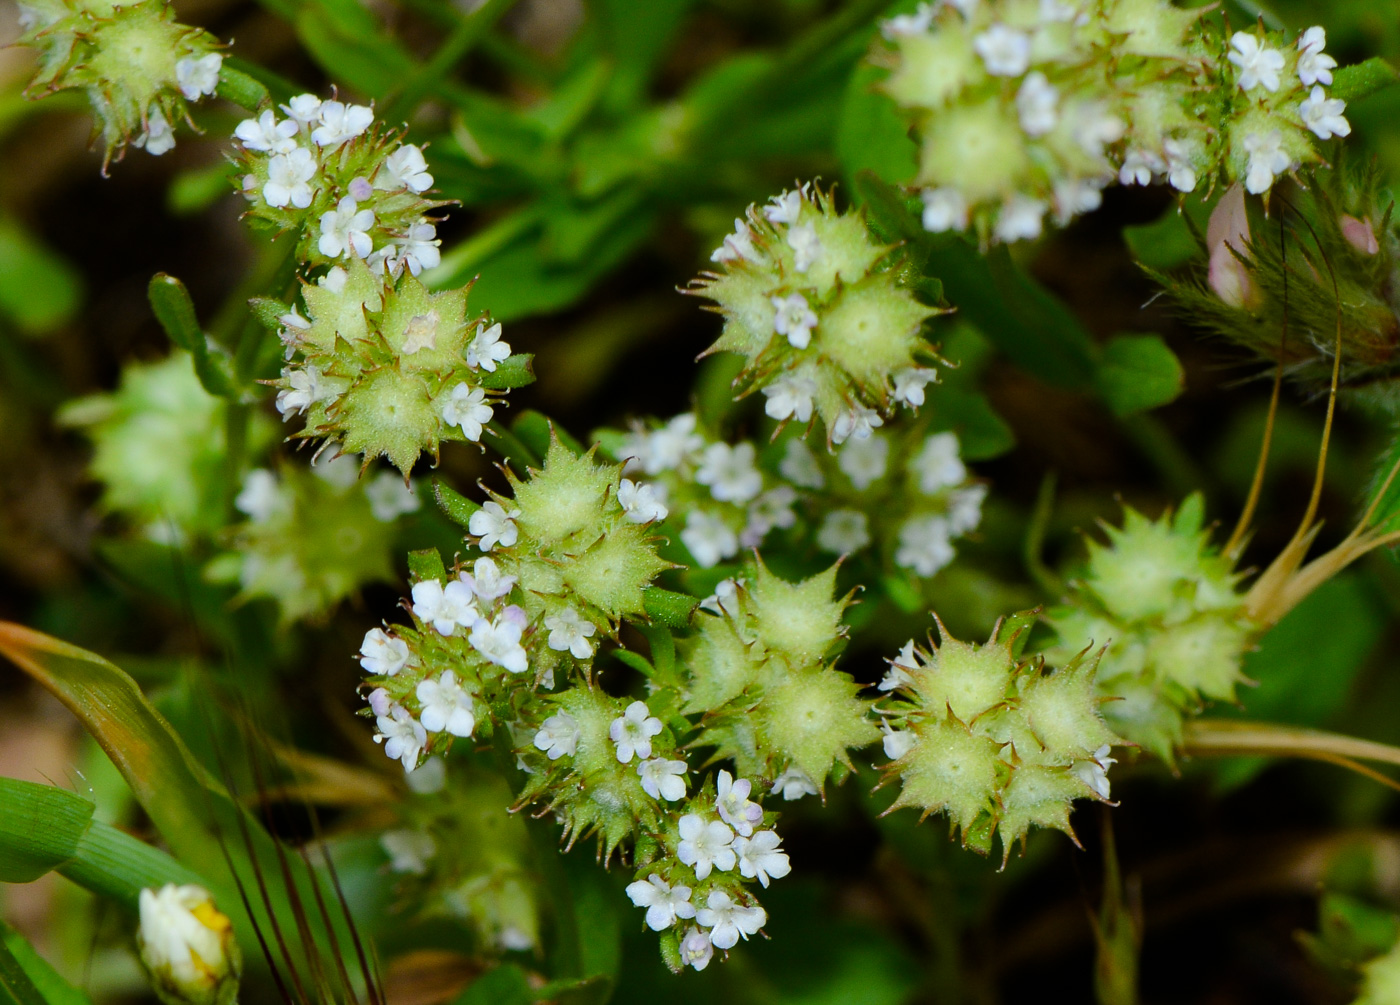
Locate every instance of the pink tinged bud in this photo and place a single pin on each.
(1228, 234)
(1360, 234)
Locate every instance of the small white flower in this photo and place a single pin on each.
(784, 208)
(1139, 167)
(641, 502)
(908, 24)
(389, 498)
(663, 902)
(445, 608)
(790, 397)
(859, 423)
(924, 545)
(466, 407)
(499, 640)
(340, 470)
(408, 851)
(198, 76)
(1314, 66)
(487, 349)
(1094, 773)
(1037, 104)
(793, 783)
(306, 390)
(965, 509)
(447, 707)
(909, 385)
(158, 138)
(898, 673)
(402, 735)
(486, 580)
(1181, 165)
(1021, 219)
(725, 599)
(864, 461)
(340, 122)
(937, 464)
(772, 509)
(404, 168)
(569, 632)
(944, 209)
(897, 742)
(730, 472)
(794, 318)
(708, 538)
(733, 804)
(186, 944)
(558, 735)
(345, 230)
(672, 445)
(304, 109)
(360, 189)
(728, 921)
(696, 949)
(761, 858)
(705, 845)
(1267, 160)
(738, 245)
(1074, 196)
(1004, 51)
(266, 134)
(799, 466)
(632, 732)
(334, 280)
(428, 778)
(1257, 63)
(806, 246)
(1094, 126)
(844, 532)
(494, 525)
(663, 779)
(383, 654)
(1323, 115)
(287, 179)
(379, 701)
(261, 497)
(417, 250)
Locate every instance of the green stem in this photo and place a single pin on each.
(468, 31)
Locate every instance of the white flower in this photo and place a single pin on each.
(784, 208)
(790, 397)
(1004, 51)
(568, 631)
(663, 779)
(799, 466)
(1139, 167)
(898, 673)
(632, 732)
(663, 902)
(858, 423)
(909, 385)
(844, 531)
(730, 472)
(794, 318)
(908, 24)
(558, 735)
(408, 851)
(499, 640)
(445, 608)
(728, 920)
(672, 445)
(266, 134)
(466, 406)
(340, 122)
(1181, 167)
(761, 858)
(306, 390)
(345, 230)
(1021, 218)
(1076, 195)
(696, 949)
(402, 735)
(287, 178)
(486, 580)
(641, 502)
(340, 470)
(389, 497)
(304, 108)
(494, 525)
(1094, 773)
(864, 461)
(1037, 104)
(708, 538)
(1267, 160)
(418, 250)
(806, 246)
(334, 280)
(187, 945)
(487, 349)
(447, 707)
(1323, 115)
(383, 654)
(897, 742)
(725, 599)
(937, 463)
(199, 76)
(379, 702)
(1314, 66)
(705, 845)
(404, 168)
(1094, 126)
(428, 778)
(965, 509)
(772, 509)
(924, 545)
(732, 803)
(261, 497)
(158, 138)
(738, 245)
(944, 209)
(1257, 63)
(794, 783)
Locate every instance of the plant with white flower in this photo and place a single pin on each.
(187, 948)
(997, 742)
(820, 310)
(140, 67)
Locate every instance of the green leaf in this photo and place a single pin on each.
(16, 986)
(242, 89)
(426, 564)
(982, 433)
(870, 134)
(352, 47)
(1137, 373)
(668, 607)
(513, 371)
(1352, 83)
(39, 830)
(507, 984)
(173, 308)
(46, 980)
(39, 290)
(455, 506)
(196, 190)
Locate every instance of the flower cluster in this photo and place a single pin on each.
(140, 67)
(821, 313)
(1165, 604)
(1024, 110)
(995, 741)
(350, 188)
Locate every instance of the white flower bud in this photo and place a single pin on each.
(187, 947)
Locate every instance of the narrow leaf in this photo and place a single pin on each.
(668, 607)
(455, 506)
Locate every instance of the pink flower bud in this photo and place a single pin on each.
(1360, 234)
(1226, 234)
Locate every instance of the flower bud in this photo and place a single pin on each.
(187, 947)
